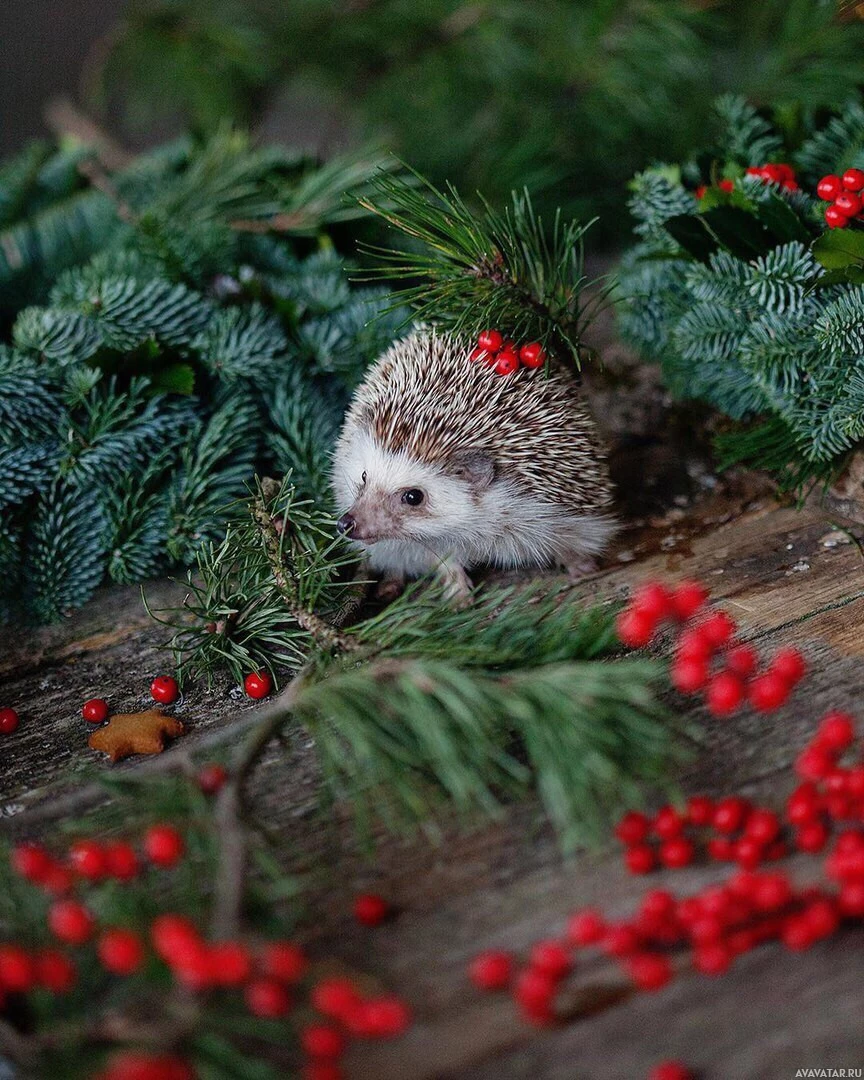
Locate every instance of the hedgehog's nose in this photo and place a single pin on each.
(346, 524)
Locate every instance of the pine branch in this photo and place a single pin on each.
(486, 268)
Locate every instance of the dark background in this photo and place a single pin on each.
(43, 48)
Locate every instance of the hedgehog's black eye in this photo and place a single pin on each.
(412, 497)
(363, 477)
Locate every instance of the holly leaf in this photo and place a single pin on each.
(837, 249)
(738, 231)
(844, 275)
(689, 232)
(779, 217)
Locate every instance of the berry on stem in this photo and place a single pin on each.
(55, 971)
(322, 1041)
(835, 217)
(490, 340)
(768, 692)
(211, 778)
(267, 998)
(640, 859)
(725, 693)
(532, 355)
(31, 861)
(70, 922)
(87, 859)
(829, 187)
(491, 970)
(506, 363)
(120, 951)
(853, 179)
(283, 960)
(121, 862)
(586, 927)
(635, 628)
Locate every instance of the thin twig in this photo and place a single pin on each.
(230, 879)
(325, 635)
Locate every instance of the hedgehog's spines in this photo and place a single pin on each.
(426, 399)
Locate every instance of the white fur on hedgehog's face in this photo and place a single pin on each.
(390, 496)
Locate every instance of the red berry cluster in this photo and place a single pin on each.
(773, 172)
(845, 194)
(266, 975)
(708, 659)
(504, 356)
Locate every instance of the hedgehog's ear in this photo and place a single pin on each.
(474, 466)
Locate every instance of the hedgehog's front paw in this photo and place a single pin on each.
(580, 566)
(388, 589)
(457, 585)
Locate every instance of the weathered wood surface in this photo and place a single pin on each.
(788, 577)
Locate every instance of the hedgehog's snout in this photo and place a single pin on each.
(346, 524)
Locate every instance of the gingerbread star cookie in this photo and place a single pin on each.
(135, 733)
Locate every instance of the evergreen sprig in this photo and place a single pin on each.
(422, 706)
(745, 298)
(486, 268)
(194, 341)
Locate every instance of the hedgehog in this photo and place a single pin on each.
(442, 465)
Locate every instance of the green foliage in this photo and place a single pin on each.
(486, 269)
(422, 707)
(190, 344)
(746, 300)
(566, 98)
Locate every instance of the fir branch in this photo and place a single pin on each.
(486, 268)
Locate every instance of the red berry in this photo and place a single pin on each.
(700, 810)
(797, 933)
(70, 922)
(230, 962)
(283, 960)
(211, 778)
(321, 1069)
(477, 355)
(768, 692)
(790, 665)
(670, 1070)
(726, 185)
(121, 862)
(725, 693)
(491, 970)
(534, 991)
(712, 959)
(802, 805)
(717, 628)
(621, 940)
(322, 1041)
(172, 935)
(490, 340)
(677, 853)
(193, 967)
(95, 710)
(164, 688)
(835, 217)
(586, 927)
(120, 951)
(688, 676)
(748, 853)
(693, 645)
(87, 859)
(384, 1017)
(370, 909)
(720, 849)
(853, 179)
(9, 720)
(552, 959)
(140, 1066)
(653, 600)
(55, 971)
(852, 899)
(163, 845)
(532, 355)
(633, 828)
(639, 859)
(650, 971)
(836, 731)
(811, 837)
(17, 969)
(658, 905)
(813, 764)
(762, 826)
(729, 814)
(688, 598)
(848, 204)
(829, 187)
(668, 823)
(822, 916)
(257, 684)
(31, 861)
(635, 628)
(335, 997)
(58, 880)
(506, 362)
(741, 661)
